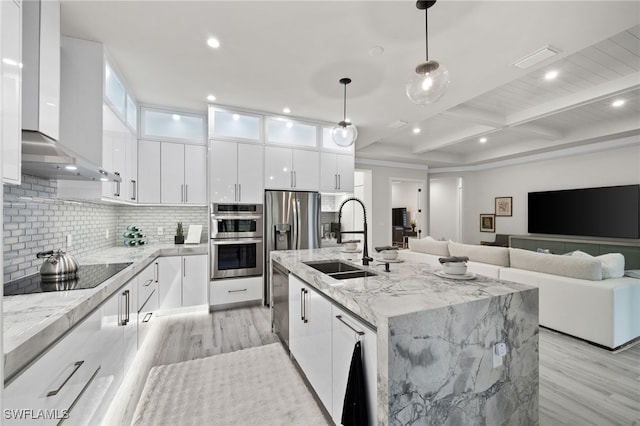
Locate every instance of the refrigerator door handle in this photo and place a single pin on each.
(295, 224)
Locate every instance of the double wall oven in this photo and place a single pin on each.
(236, 240)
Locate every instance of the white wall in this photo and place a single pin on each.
(606, 168)
(380, 215)
(445, 208)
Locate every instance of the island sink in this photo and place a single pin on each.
(339, 270)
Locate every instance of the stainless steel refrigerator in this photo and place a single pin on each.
(291, 222)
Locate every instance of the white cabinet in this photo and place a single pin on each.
(119, 156)
(224, 124)
(235, 290)
(310, 336)
(337, 172)
(81, 373)
(10, 90)
(148, 172)
(194, 280)
(236, 172)
(182, 281)
(345, 329)
(291, 168)
(41, 67)
(183, 173)
(171, 173)
(169, 282)
(147, 304)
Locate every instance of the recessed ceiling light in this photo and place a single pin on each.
(286, 110)
(176, 117)
(289, 124)
(416, 130)
(104, 180)
(235, 117)
(550, 75)
(211, 98)
(483, 140)
(617, 103)
(213, 42)
(71, 167)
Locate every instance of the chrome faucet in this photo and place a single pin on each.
(365, 252)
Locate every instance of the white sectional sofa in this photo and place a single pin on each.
(574, 297)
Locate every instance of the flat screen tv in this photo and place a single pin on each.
(612, 211)
(399, 216)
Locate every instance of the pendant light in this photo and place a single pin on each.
(430, 79)
(345, 133)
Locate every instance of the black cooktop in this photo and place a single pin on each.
(88, 276)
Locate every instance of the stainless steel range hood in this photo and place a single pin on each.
(44, 157)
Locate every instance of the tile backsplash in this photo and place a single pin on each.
(35, 220)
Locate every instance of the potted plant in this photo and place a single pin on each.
(179, 238)
(413, 225)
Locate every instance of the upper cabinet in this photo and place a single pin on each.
(10, 89)
(282, 131)
(337, 172)
(232, 125)
(172, 125)
(41, 67)
(97, 121)
(236, 172)
(289, 168)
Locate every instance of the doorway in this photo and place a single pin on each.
(408, 210)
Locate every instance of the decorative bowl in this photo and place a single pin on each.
(350, 246)
(389, 254)
(454, 268)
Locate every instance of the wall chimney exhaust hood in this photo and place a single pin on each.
(42, 155)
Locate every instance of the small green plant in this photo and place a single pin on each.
(413, 224)
(179, 230)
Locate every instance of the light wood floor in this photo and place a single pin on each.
(580, 384)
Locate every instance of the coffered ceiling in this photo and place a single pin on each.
(292, 53)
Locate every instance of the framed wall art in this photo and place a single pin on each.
(504, 206)
(487, 222)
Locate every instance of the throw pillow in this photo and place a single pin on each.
(429, 246)
(612, 265)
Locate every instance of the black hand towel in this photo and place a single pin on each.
(354, 409)
(453, 259)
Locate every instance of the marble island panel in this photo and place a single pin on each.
(436, 339)
(32, 322)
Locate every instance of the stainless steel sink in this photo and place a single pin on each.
(340, 270)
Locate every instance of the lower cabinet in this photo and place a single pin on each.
(77, 378)
(322, 338)
(345, 330)
(182, 281)
(235, 290)
(147, 305)
(310, 336)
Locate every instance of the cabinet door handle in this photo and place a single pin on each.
(302, 304)
(239, 192)
(117, 193)
(156, 272)
(133, 190)
(76, 366)
(295, 180)
(147, 283)
(335, 181)
(291, 172)
(84, 388)
(235, 192)
(236, 291)
(182, 193)
(147, 317)
(127, 295)
(184, 267)
(339, 181)
(358, 332)
(306, 303)
(186, 193)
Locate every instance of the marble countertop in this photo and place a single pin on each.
(31, 322)
(410, 287)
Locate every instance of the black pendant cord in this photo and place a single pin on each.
(344, 115)
(426, 33)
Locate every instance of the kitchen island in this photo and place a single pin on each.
(436, 337)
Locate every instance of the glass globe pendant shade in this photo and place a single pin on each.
(428, 83)
(344, 134)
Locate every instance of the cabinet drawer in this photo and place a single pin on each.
(235, 290)
(47, 390)
(147, 284)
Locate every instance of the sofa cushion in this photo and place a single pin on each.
(612, 263)
(483, 254)
(566, 266)
(430, 246)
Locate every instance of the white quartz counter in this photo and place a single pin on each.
(411, 286)
(32, 322)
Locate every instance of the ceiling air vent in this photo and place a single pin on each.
(536, 57)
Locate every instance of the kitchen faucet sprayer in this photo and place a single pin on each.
(365, 252)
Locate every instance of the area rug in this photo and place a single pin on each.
(255, 386)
